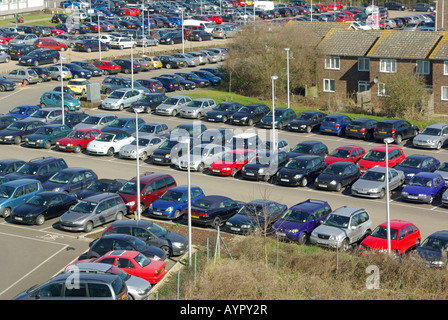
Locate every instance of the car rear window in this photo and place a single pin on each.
(119, 287)
(384, 126)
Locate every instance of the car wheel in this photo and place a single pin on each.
(47, 145)
(40, 80)
(77, 149)
(106, 72)
(119, 216)
(167, 250)
(40, 220)
(176, 214)
(382, 193)
(303, 238)
(308, 129)
(144, 156)
(250, 122)
(2, 88)
(234, 172)
(345, 245)
(6, 212)
(199, 39)
(127, 71)
(367, 136)
(36, 63)
(88, 227)
(121, 47)
(216, 222)
(168, 66)
(18, 140)
(121, 107)
(174, 113)
(304, 182)
(59, 78)
(42, 105)
(62, 49)
(7, 60)
(430, 200)
(172, 42)
(110, 152)
(224, 119)
(55, 60)
(200, 167)
(338, 187)
(398, 139)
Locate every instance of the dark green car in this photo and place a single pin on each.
(47, 136)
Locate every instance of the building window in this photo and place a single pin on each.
(382, 90)
(445, 93)
(423, 67)
(388, 65)
(445, 68)
(363, 86)
(363, 64)
(332, 62)
(329, 85)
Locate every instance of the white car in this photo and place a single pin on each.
(109, 142)
(107, 38)
(122, 43)
(201, 156)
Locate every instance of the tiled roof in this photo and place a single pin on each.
(440, 52)
(320, 28)
(354, 43)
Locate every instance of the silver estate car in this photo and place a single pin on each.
(197, 108)
(93, 211)
(342, 228)
(201, 156)
(433, 136)
(372, 184)
(188, 59)
(147, 143)
(96, 121)
(121, 98)
(172, 105)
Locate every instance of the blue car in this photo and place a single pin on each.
(126, 124)
(6, 120)
(71, 180)
(17, 131)
(301, 219)
(10, 166)
(40, 169)
(433, 249)
(40, 56)
(335, 124)
(423, 187)
(70, 4)
(173, 202)
(78, 71)
(53, 99)
(214, 80)
(22, 112)
(15, 193)
(416, 163)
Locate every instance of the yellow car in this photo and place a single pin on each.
(79, 86)
(155, 62)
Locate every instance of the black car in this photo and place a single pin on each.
(96, 72)
(101, 186)
(422, 7)
(150, 101)
(199, 35)
(200, 82)
(71, 119)
(41, 169)
(316, 148)
(394, 6)
(172, 243)
(171, 38)
(223, 111)
(264, 166)
(361, 128)
(10, 166)
(17, 131)
(300, 170)
(109, 242)
(153, 85)
(43, 73)
(169, 84)
(15, 51)
(168, 151)
(215, 71)
(170, 62)
(43, 206)
(213, 210)
(89, 45)
(7, 85)
(255, 216)
(6, 120)
(65, 89)
(395, 128)
(59, 18)
(249, 114)
(306, 121)
(127, 65)
(337, 176)
(184, 84)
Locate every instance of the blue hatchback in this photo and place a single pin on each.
(301, 219)
(335, 124)
(22, 112)
(173, 202)
(423, 187)
(416, 163)
(214, 80)
(15, 193)
(71, 180)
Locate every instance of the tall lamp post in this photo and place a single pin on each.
(137, 157)
(62, 92)
(273, 78)
(387, 141)
(186, 140)
(99, 36)
(183, 36)
(132, 63)
(287, 73)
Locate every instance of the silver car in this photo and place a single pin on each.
(188, 59)
(197, 108)
(147, 143)
(56, 73)
(201, 157)
(212, 57)
(342, 228)
(66, 39)
(201, 56)
(443, 171)
(24, 39)
(372, 184)
(155, 128)
(138, 288)
(96, 121)
(282, 145)
(433, 136)
(93, 211)
(172, 105)
(224, 32)
(121, 98)
(19, 75)
(146, 41)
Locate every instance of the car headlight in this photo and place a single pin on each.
(178, 244)
(29, 60)
(334, 237)
(404, 193)
(219, 116)
(372, 190)
(422, 195)
(298, 176)
(228, 223)
(293, 231)
(410, 174)
(8, 137)
(245, 226)
(333, 182)
(244, 119)
(57, 189)
(130, 203)
(261, 170)
(169, 209)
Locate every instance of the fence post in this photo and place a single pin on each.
(178, 284)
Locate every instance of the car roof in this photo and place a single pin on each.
(19, 182)
(383, 148)
(418, 156)
(437, 125)
(396, 223)
(349, 147)
(44, 159)
(90, 266)
(122, 253)
(151, 176)
(10, 160)
(310, 205)
(346, 211)
(100, 196)
(443, 234)
(430, 175)
(310, 142)
(82, 276)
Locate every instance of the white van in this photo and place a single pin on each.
(207, 26)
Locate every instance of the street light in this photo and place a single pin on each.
(132, 63)
(273, 78)
(99, 35)
(137, 157)
(62, 92)
(387, 141)
(183, 42)
(436, 2)
(186, 140)
(287, 72)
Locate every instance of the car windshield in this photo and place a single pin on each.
(434, 244)
(142, 260)
(374, 176)
(300, 148)
(37, 201)
(374, 155)
(333, 170)
(168, 145)
(98, 186)
(223, 107)
(334, 220)
(105, 137)
(138, 244)
(28, 169)
(84, 206)
(61, 177)
(142, 142)
(411, 163)
(295, 216)
(130, 187)
(194, 104)
(421, 182)
(17, 126)
(157, 230)
(251, 210)
(381, 232)
(91, 120)
(260, 160)
(118, 123)
(116, 94)
(296, 164)
(173, 196)
(45, 131)
(231, 157)
(305, 116)
(40, 114)
(246, 110)
(171, 101)
(340, 153)
(431, 132)
(6, 191)
(18, 110)
(76, 134)
(330, 120)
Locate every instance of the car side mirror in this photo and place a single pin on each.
(352, 227)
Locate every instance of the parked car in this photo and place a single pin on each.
(17, 131)
(121, 99)
(43, 206)
(377, 157)
(433, 249)
(422, 7)
(443, 171)
(433, 136)
(53, 99)
(183, 83)
(222, 111)
(404, 237)
(6, 120)
(153, 85)
(109, 142)
(96, 72)
(77, 71)
(172, 105)
(342, 228)
(155, 128)
(46, 136)
(200, 82)
(39, 169)
(309, 148)
(282, 117)
(197, 108)
(395, 128)
(70, 180)
(7, 85)
(122, 43)
(49, 43)
(108, 67)
(300, 170)
(112, 83)
(149, 102)
(169, 84)
(147, 143)
(77, 140)
(167, 153)
(128, 66)
(301, 219)
(57, 73)
(95, 121)
(15, 193)
(337, 176)
(214, 80)
(231, 162)
(345, 154)
(416, 163)
(394, 6)
(17, 50)
(189, 60)
(361, 128)
(372, 184)
(43, 73)
(171, 38)
(335, 124)
(10, 166)
(26, 76)
(256, 216)
(249, 114)
(29, 39)
(199, 35)
(264, 166)
(171, 62)
(201, 157)
(127, 124)
(423, 187)
(224, 32)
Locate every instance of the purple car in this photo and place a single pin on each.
(423, 187)
(301, 219)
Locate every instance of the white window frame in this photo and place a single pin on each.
(388, 65)
(365, 84)
(333, 62)
(382, 92)
(442, 96)
(423, 67)
(363, 64)
(445, 68)
(327, 85)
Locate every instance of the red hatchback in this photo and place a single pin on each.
(108, 67)
(377, 157)
(404, 236)
(48, 43)
(56, 32)
(77, 140)
(345, 154)
(232, 162)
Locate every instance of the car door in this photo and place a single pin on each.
(76, 183)
(54, 207)
(355, 231)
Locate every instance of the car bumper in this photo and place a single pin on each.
(161, 160)
(298, 128)
(288, 181)
(65, 148)
(71, 227)
(97, 152)
(325, 186)
(236, 230)
(415, 198)
(34, 144)
(7, 140)
(24, 220)
(160, 214)
(365, 194)
(355, 134)
(220, 172)
(425, 145)
(328, 130)
(110, 107)
(325, 242)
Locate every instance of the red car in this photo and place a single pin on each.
(322, 7)
(344, 18)
(215, 18)
(404, 236)
(133, 263)
(6, 39)
(77, 140)
(345, 153)
(56, 32)
(335, 6)
(130, 11)
(108, 67)
(48, 43)
(377, 157)
(232, 162)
